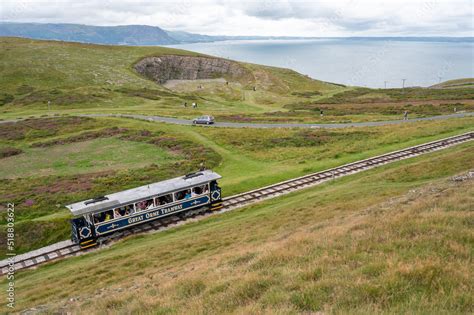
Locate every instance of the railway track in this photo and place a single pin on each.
(67, 248)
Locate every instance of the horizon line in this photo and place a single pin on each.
(280, 36)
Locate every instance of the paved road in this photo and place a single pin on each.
(179, 121)
(290, 125)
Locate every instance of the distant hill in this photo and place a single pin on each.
(142, 35)
(133, 35)
(455, 84)
(185, 37)
(115, 35)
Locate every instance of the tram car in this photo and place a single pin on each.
(95, 218)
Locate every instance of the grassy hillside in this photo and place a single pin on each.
(469, 82)
(79, 78)
(391, 240)
(93, 157)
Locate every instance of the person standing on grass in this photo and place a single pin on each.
(405, 115)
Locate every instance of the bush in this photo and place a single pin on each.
(6, 98)
(9, 151)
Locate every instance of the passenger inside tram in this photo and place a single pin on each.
(145, 205)
(103, 216)
(123, 211)
(183, 194)
(99, 217)
(129, 209)
(199, 190)
(188, 194)
(162, 200)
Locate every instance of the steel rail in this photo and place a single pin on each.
(38, 257)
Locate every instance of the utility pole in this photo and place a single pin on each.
(384, 84)
(440, 79)
(403, 84)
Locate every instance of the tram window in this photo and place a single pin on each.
(183, 194)
(130, 209)
(103, 216)
(145, 205)
(123, 211)
(162, 200)
(99, 217)
(198, 190)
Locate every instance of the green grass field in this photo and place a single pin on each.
(395, 239)
(93, 157)
(87, 156)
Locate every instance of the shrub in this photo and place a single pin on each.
(9, 151)
(6, 98)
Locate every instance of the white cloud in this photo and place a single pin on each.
(267, 17)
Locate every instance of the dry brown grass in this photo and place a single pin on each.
(380, 242)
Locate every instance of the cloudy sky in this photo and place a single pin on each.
(267, 17)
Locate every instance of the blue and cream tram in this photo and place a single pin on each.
(100, 216)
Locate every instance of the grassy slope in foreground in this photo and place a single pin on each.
(246, 158)
(392, 239)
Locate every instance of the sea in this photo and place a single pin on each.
(375, 63)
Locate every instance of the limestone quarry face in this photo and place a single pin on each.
(173, 67)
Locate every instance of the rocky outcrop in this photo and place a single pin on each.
(174, 67)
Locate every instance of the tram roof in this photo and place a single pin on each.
(142, 192)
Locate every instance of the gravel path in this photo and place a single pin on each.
(179, 121)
